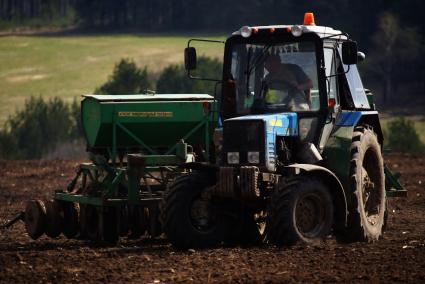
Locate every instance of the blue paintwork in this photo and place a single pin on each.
(348, 118)
(277, 124)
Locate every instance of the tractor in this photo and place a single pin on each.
(288, 151)
(298, 146)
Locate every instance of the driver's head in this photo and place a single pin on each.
(272, 62)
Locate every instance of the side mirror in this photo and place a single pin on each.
(190, 58)
(349, 52)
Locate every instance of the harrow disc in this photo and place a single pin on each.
(154, 228)
(90, 222)
(110, 229)
(139, 218)
(35, 218)
(123, 221)
(71, 216)
(54, 218)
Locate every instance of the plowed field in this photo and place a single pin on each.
(398, 257)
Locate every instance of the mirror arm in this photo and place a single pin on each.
(342, 73)
(202, 79)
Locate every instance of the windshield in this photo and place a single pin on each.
(275, 78)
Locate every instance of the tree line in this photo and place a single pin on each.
(24, 10)
(391, 32)
(358, 18)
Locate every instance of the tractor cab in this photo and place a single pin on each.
(294, 81)
(276, 69)
(285, 87)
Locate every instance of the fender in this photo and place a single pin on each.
(337, 190)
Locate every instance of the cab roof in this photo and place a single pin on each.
(321, 31)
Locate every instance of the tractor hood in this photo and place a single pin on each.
(257, 133)
(281, 124)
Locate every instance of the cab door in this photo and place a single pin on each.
(329, 54)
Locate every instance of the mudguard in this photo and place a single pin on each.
(337, 190)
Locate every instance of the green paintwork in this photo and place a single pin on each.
(152, 122)
(392, 186)
(162, 126)
(337, 154)
(370, 99)
(96, 201)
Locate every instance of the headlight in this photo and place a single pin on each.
(254, 157)
(233, 157)
(246, 31)
(297, 30)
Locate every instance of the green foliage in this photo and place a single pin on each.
(395, 60)
(37, 129)
(77, 126)
(174, 80)
(402, 136)
(36, 14)
(126, 78)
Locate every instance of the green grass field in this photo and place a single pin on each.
(68, 66)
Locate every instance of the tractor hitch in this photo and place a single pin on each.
(18, 217)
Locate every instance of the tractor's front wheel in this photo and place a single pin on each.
(301, 210)
(189, 217)
(367, 211)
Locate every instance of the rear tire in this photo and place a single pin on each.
(301, 210)
(366, 218)
(189, 217)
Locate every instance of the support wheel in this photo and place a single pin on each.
(189, 217)
(35, 218)
(366, 216)
(301, 210)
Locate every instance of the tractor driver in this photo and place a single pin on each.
(287, 84)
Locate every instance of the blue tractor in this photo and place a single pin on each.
(298, 149)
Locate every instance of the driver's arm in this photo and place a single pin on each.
(303, 83)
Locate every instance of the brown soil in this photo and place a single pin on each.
(398, 257)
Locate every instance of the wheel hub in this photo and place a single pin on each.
(309, 214)
(371, 198)
(201, 213)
